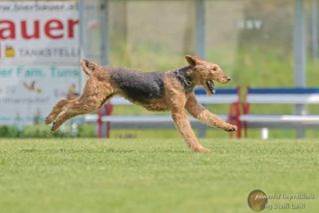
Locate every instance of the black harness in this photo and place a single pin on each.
(184, 79)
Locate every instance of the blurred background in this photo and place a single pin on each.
(269, 45)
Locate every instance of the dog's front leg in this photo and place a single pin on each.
(205, 116)
(183, 125)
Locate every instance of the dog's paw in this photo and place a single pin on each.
(201, 149)
(48, 120)
(54, 127)
(231, 128)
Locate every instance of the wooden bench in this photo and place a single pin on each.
(292, 96)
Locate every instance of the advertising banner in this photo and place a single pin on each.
(39, 58)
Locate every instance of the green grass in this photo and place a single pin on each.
(152, 175)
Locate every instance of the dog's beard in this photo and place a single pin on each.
(210, 87)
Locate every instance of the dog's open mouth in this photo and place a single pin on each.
(210, 86)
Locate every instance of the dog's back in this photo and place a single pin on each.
(138, 86)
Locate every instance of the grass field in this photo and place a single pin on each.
(153, 175)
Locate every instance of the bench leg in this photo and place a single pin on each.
(264, 133)
(202, 131)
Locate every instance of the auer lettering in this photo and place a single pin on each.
(52, 29)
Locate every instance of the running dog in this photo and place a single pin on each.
(156, 91)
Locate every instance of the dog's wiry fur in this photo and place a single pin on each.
(172, 90)
(137, 86)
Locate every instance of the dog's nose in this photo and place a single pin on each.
(228, 78)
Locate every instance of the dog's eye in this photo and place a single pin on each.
(214, 68)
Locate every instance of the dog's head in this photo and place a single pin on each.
(205, 73)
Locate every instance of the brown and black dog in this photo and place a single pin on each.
(157, 91)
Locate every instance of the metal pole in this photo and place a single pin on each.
(299, 58)
(81, 8)
(81, 11)
(81, 27)
(314, 26)
(104, 31)
(200, 28)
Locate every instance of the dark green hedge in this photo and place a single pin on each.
(43, 131)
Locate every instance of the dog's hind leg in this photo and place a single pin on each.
(97, 91)
(94, 96)
(77, 107)
(72, 109)
(56, 111)
(205, 116)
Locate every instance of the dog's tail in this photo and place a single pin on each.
(88, 67)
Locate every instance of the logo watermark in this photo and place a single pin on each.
(259, 200)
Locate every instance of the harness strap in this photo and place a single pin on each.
(185, 80)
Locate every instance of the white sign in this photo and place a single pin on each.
(41, 32)
(39, 58)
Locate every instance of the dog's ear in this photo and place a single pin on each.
(192, 60)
